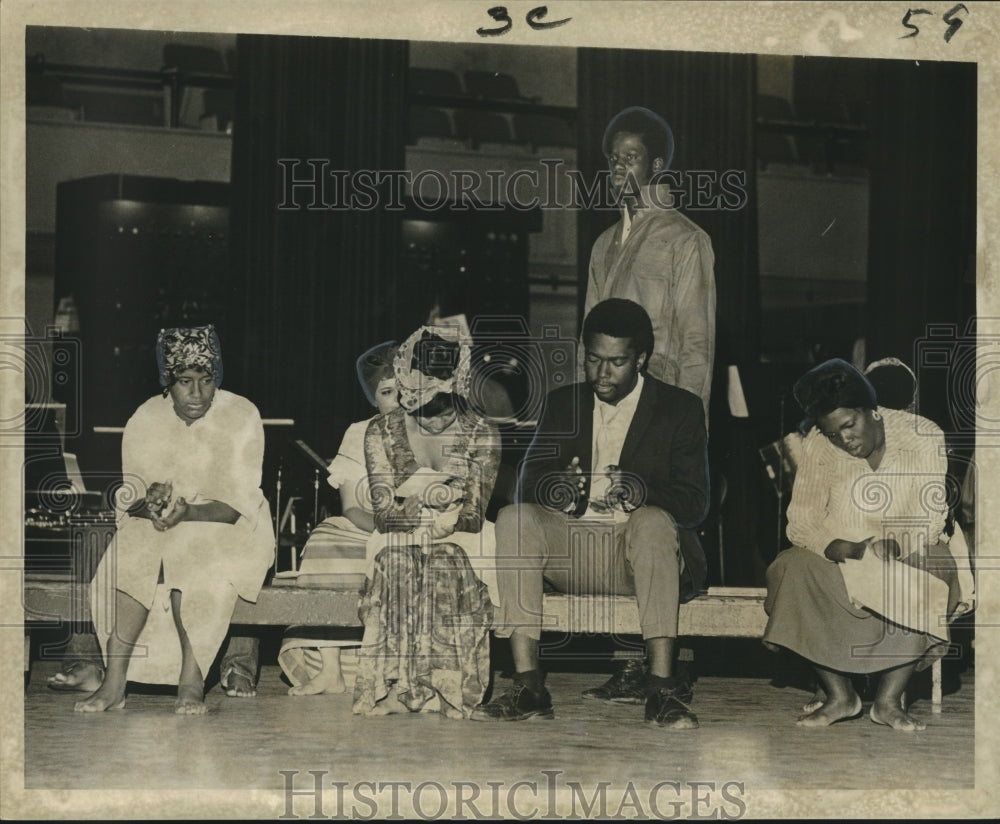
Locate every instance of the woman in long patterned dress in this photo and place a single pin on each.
(425, 607)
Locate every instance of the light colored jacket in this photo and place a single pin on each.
(666, 265)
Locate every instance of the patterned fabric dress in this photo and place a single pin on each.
(426, 614)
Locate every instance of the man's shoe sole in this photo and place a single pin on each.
(543, 715)
(622, 700)
(546, 715)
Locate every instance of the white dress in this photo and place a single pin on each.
(218, 457)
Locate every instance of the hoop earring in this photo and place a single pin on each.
(876, 415)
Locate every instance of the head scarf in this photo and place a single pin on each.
(180, 349)
(374, 366)
(416, 387)
(833, 384)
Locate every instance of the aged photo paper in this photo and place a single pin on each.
(828, 150)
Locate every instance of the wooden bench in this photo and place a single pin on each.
(736, 612)
(724, 612)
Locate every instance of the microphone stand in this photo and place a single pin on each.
(315, 498)
(277, 515)
(781, 463)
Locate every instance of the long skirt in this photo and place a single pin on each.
(333, 558)
(426, 624)
(810, 613)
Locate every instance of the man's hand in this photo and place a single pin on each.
(577, 481)
(840, 550)
(620, 493)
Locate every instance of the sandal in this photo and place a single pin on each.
(236, 670)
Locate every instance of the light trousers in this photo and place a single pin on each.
(640, 557)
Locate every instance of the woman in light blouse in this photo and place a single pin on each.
(870, 481)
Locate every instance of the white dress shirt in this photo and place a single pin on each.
(626, 224)
(611, 424)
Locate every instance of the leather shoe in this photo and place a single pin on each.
(626, 686)
(668, 706)
(517, 704)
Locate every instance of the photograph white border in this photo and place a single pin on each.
(794, 28)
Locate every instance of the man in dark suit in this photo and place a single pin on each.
(619, 462)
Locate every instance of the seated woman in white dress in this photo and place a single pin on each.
(334, 555)
(872, 578)
(194, 529)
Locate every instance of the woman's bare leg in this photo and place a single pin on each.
(130, 618)
(191, 686)
(887, 708)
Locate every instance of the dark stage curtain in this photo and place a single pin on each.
(320, 284)
(922, 230)
(708, 100)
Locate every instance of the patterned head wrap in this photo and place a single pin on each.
(433, 360)
(374, 366)
(180, 349)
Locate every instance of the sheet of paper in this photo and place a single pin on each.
(423, 480)
(904, 594)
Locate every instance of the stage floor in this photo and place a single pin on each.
(747, 738)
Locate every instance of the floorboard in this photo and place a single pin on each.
(747, 735)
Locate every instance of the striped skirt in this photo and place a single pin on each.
(333, 558)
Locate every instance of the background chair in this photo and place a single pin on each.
(543, 130)
(437, 82)
(492, 86)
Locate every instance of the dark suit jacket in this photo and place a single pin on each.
(665, 452)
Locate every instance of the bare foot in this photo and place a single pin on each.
(814, 703)
(831, 712)
(239, 685)
(893, 716)
(77, 676)
(190, 706)
(322, 682)
(390, 704)
(108, 697)
(190, 699)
